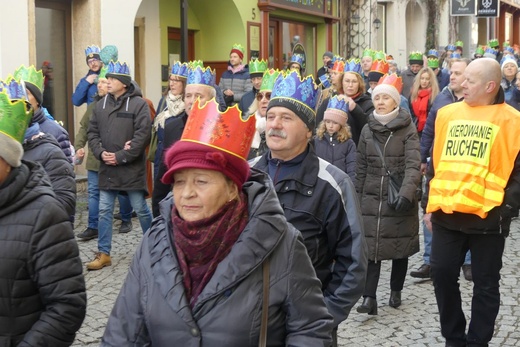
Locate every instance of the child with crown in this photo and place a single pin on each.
(389, 145)
(220, 246)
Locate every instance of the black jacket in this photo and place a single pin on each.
(45, 150)
(42, 290)
(51, 127)
(320, 200)
(113, 123)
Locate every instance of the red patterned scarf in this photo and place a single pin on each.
(420, 107)
(203, 244)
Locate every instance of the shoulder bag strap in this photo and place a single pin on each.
(376, 145)
(265, 304)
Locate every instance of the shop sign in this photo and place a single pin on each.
(317, 6)
(462, 7)
(487, 8)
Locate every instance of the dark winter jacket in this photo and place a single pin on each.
(92, 163)
(113, 123)
(42, 290)
(445, 97)
(443, 78)
(85, 91)
(172, 133)
(152, 309)
(320, 200)
(408, 77)
(239, 82)
(357, 118)
(53, 128)
(509, 87)
(247, 100)
(390, 234)
(340, 154)
(45, 150)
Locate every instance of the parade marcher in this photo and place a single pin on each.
(416, 63)
(509, 71)
(443, 75)
(34, 83)
(472, 196)
(444, 59)
(92, 166)
(424, 90)
(43, 289)
(479, 52)
(335, 86)
(494, 45)
(199, 85)
(86, 88)
(235, 81)
(327, 59)
(389, 144)
(191, 281)
(452, 93)
(174, 107)
(333, 141)
(118, 133)
(256, 71)
(259, 109)
(366, 64)
(318, 198)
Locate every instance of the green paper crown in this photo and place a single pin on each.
(459, 44)
(239, 47)
(368, 53)
(269, 79)
(194, 63)
(379, 55)
(103, 72)
(14, 117)
(415, 56)
(257, 66)
(505, 44)
(31, 75)
(493, 43)
(433, 63)
(479, 50)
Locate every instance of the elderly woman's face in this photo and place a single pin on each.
(4, 170)
(200, 193)
(350, 84)
(384, 104)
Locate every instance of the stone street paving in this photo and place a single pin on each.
(415, 323)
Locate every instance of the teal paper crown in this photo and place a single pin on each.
(198, 75)
(180, 69)
(353, 65)
(118, 68)
(291, 86)
(337, 104)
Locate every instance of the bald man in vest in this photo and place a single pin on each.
(474, 190)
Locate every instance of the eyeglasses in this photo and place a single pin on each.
(260, 96)
(92, 61)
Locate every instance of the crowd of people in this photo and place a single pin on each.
(274, 198)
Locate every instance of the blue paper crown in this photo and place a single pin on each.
(491, 51)
(353, 65)
(93, 49)
(118, 68)
(198, 75)
(291, 86)
(433, 53)
(450, 47)
(297, 58)
(505, 59)
(324, 80)
(509, 49)
(14, 89)
(337, 104)
(180, 69)
(455, 55)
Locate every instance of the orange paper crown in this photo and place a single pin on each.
(380, 66)
(339, 65)
(392, 80)
(226, 131)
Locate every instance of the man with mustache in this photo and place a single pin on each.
(318, 198)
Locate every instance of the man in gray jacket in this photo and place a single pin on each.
(318, 198)
(119, 131)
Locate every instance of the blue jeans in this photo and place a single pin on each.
(93, 201)
(428, 247)
(106, 213)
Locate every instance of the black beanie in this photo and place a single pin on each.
(125, 79)
(35, 92)
(374, 76)
(304, 112)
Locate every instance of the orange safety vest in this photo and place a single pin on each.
(474, 152)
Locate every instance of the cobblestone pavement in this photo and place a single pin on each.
(415, 323)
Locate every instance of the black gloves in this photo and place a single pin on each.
(403, 204)
(508, 211)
